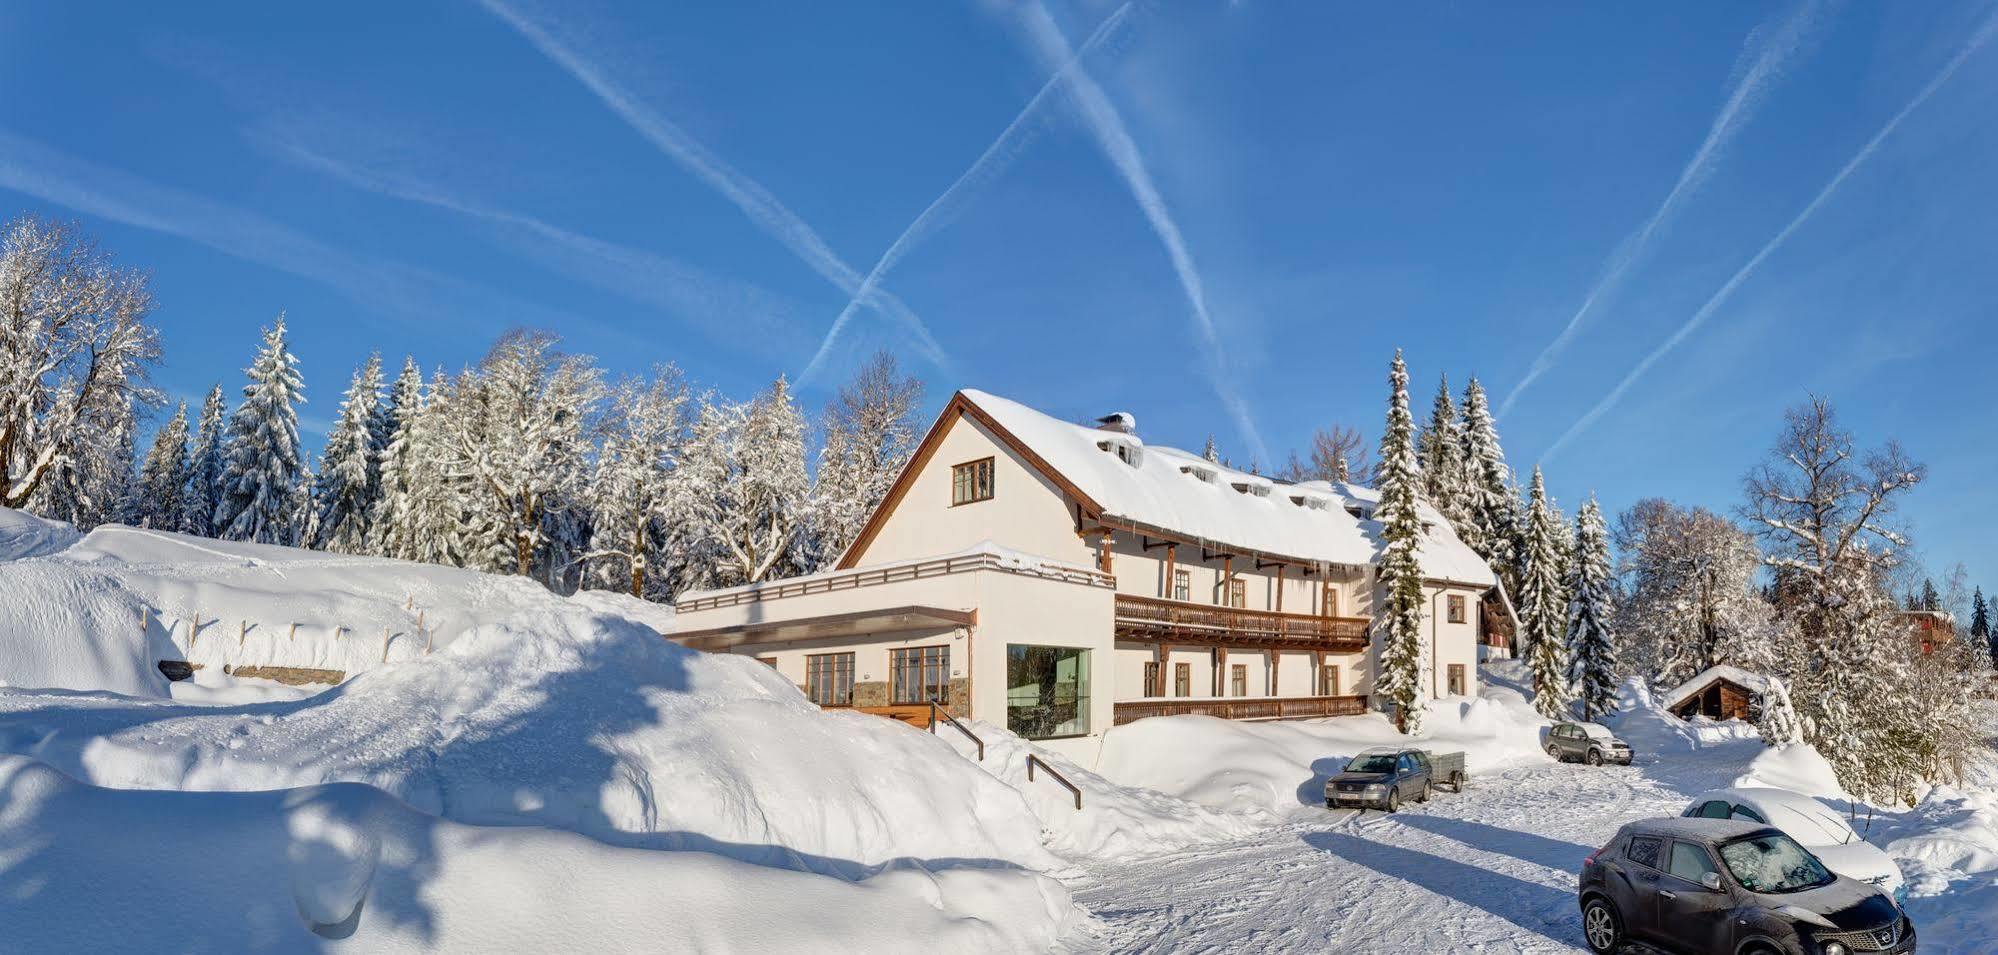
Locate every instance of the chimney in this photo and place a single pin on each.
(1119, 421)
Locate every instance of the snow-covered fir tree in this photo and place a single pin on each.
(520, 434)
(425, 498)
(1542, 606)
(1593, 667)
(264, 472)
(75, 349)
(1489, 504)
(1398, 620)
(397, 463)
(1980, 624)
(870, 432)
(1778, 722)
(1691, 594)
(203, 492)
(160, 497)
(1209, 452)
(1442, 453)
(349, 478)
(631, 492)
(741, 492)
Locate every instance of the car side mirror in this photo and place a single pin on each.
(1711, 880)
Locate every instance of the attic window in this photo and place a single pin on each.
(1203, 475)
(1252, 488)
(1358, 512)
(1306, 500)
(1125, 451)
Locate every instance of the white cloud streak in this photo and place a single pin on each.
(729, 311)
(1107, 126)
(1767, 61)
(987, 166)
(755, 202)
(1977, 42)
(32, 168)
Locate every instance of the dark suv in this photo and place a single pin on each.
(1730, 887)
(1381, 777)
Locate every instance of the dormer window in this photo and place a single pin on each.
(1198, 473)
(1127, 449)
(1359, 513)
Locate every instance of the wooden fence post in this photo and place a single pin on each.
(293, 636)
(242, 632)
(385, 643)
(194, 630)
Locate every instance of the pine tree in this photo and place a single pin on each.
(397, 465)
(870, 433)
(264, 468)
(1594, 669)
(1489, 503)
(349, 479)
(1929, 599)
(1398, 621)
(204, 470)
(1980, 624)
(1543, 612)
(1442, 451)
(1209, 452)
(160, 498)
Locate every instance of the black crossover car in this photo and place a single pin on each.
(1730, 887)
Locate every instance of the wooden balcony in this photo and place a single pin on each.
(1243, 708)
(1155, 620)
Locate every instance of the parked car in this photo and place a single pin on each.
(1729, 886)
(1590, 743)
(1383, 777)
(1815, 826)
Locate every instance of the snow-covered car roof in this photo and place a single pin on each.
(1805, 819)
(1716, 830)
(1181, 492)
(1733, 674)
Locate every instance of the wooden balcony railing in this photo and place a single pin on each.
(1157, 620)
(1244, 708)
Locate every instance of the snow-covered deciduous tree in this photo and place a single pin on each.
(631, 492)
(1441, 449)
(870, 432)
(205, 468)
(75, 350)
(1490, 506)
(1543, 610)
(1778, 722)
(742, 493)
(1593, 668)
(263, 480)
(160, 497)
(1824, 510)
(1398, 617)
(349, 478)
(1691, 599)
(520, 430)
(1338, 454)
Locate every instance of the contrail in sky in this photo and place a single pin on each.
(1949, 69)
(1762, 72)
(1115, 140)
(988, 164)
(756, 202)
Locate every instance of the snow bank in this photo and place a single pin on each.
(658, 616)
(1796, 767)
(97, 869)
(1264, 769)
(24, 535)
(1115, 822)
(576, 721)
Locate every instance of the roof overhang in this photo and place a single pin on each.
(858, 623)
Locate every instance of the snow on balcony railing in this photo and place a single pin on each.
(987, 557)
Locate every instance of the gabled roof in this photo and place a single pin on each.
(1119, 479)
(1754, 682)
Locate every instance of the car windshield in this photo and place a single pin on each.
(1372, 763)
(1773, 862)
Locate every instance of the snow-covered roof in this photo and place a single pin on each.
(1733, 674)
(1179, 492)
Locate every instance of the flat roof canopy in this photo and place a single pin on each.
(858, 623)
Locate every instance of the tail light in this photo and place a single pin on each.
(1591, 860)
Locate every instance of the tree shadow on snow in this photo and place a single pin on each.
(1528, 905)
(1556, 854)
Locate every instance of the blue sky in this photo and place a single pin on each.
(1222, 217)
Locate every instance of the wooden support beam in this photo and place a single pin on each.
(1169, 587)
(1220, 671)
(1163, 654)
(1262, 564)
(1279, 588)
(1103, 552)
(1150, 544)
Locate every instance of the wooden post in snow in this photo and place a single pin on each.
(242, 633)
(425, 631)
(385, 643)
(293, 636)
(194, 630)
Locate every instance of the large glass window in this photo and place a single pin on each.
(829, 678)
(919, 675)
(1047, 691)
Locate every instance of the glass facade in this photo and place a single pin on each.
(1047, 691)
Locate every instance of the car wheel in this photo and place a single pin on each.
(1555, 751)
(1423, 794)
(1394, 799)
(1602, 928)
(1595, 757)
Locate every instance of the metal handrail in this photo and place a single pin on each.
(937, 709)
(1033, 760)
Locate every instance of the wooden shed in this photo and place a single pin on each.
(1717, 693)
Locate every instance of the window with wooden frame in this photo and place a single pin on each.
(1456, 679)
(829, 678)
(1182, 679)
(971, 482)
(1182, 584)
(1455, 603)
(1238, 680)
(770, 662)
(1151, 677)
(1328, 680)
(1329, 604)
(1237, 593)
(919, 675)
